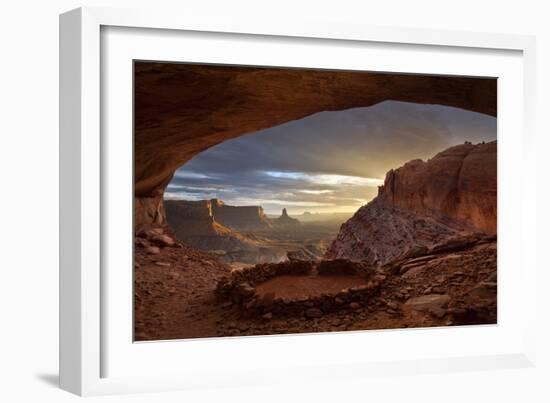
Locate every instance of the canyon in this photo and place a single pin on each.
(176, 116)
(244, 235)
(194, 223)
(426, 243)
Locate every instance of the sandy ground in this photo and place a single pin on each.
(293, 287)
(174, 297)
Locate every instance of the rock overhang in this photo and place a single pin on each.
(182, 109)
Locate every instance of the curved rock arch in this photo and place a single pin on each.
(183, 109)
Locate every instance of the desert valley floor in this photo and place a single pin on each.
(422, 253)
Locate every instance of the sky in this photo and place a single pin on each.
(327, 162)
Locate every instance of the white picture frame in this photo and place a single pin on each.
(88, 347)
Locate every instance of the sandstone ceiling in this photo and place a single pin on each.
(181, 110)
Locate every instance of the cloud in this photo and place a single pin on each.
(329, 161)
(254, 201)
(191, 175)
(327, 179)
(316, 192)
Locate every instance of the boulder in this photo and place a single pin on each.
(246, 290)
(163, 240)
(152, 250)
(485, 292)
(313, 313)
(434, 304)
(267, 299)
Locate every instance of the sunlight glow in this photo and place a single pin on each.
(255, 202)
(316, 192)
(327, 179)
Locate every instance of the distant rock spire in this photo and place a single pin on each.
(285, 220)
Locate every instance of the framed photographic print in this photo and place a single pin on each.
(255, 199)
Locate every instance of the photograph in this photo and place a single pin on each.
(282, 200)
(288, 202)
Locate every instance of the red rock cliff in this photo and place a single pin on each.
(424, 203)
(241, 218)
(181, 109)
(194, 222)
(459, 183)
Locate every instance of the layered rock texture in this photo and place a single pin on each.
(426, 247)
(241, 218)
(244, 235)
(194, 223)
(457, 185)
(449, 198)
(181, 109)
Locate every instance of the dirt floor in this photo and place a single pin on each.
(294, 287)
(174, 296)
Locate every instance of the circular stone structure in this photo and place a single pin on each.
(300, 288)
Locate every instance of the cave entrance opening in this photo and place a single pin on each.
(240, 165)
(283, 193)
(182, 109)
